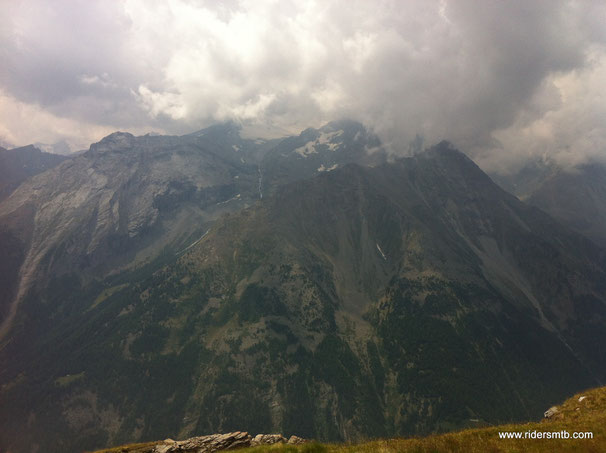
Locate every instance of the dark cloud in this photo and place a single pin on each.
(500, 79)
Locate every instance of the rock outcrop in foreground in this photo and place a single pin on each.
(214, 442)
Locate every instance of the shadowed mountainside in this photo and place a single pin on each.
(577, 199)
(16, 165)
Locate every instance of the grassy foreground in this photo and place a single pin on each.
(587, 415)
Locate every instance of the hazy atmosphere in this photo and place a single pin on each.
(502, 80)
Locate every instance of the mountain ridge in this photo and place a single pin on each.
(574, 196)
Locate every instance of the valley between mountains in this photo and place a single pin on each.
(314, 286)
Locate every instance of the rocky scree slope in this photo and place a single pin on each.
(130, 201)
(123, 203)
(124, 207)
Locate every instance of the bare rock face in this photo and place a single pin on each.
(296, 440)
(551, 412)
(203, 444)
(118, 205)
(267, 439)
(219, 442)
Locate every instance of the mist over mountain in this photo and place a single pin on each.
(61, 147)
(170, 286)
(575, 196)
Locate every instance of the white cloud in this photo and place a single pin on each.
(471, 72)
(22, 124)
(565, 121)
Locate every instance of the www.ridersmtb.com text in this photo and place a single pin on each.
(546, 435)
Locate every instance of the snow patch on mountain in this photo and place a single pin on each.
(331, 168)
(307, 149)
(328, 139)
(325, 138)
(381, 252)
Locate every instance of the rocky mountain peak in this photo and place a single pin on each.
(452, 163)
(228, 128)
(343, 124)
(114, 142)
(444, 148)
(27, 149)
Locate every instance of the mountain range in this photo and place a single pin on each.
(575, 196)
(162, 286)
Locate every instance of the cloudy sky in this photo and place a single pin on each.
(503, 80)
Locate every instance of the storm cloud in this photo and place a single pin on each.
(504, 81)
